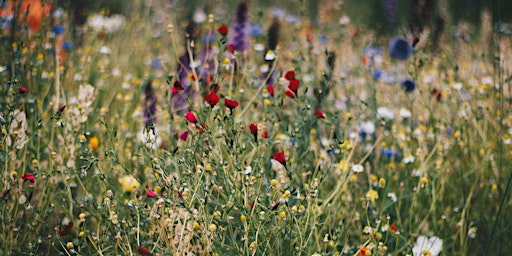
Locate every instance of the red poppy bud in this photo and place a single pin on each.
(254, 129)
(191, 117)
(61, 108)
(319, 114)
(270, 89)
(22, 90)
(279, 156)
(184, 136)
(151, 193)
(264, 134)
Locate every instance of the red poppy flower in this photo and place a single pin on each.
(230, 48)
(177, 86)
(264, 134)
(393, 227)
(66, 228)
(290, 94)
(212, 99)
(223, 30)
(191, 117)
(22, 90)
(151, 193)
(231, 104)
(270, 89)
(254, 129)
(294, 85)
(28, 176)
(184, 136)
(174, 91)
(279, 156)
(143, 251)
(290, 75)
(319, 114)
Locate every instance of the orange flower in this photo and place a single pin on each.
(34, 9)
(94, 142)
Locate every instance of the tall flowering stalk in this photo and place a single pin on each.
(184, 70)
(272, 41)
(149, 104)
(239, 36)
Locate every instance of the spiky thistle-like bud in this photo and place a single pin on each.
(149, 104)
(239, 36)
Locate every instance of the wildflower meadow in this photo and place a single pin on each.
(254, 127)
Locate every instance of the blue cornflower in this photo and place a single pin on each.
(408, 85)
(400, 49)
(377, 74)
(255, 29)
(156, 64)
(58, 29)
(68, 45)
(388, 152)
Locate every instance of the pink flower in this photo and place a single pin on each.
(151, 193)
(191, 117)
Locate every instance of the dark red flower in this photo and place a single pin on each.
(319, 114)
(143, 251)
(61, 108)
(254, 129)
(290, 94)
(290, 75)
(215, 87)
(231, 104)
(212, 99)
(393, 227)
(294, 85)
(275, 206)
(22, 90)
(264, 134)
(184, 136)
(151, 193)
(415, 41)
(177, 86)
(251, 205)
(191, 117)
(279, 156)
(66, 227)
(223, 30)
(437, 94)
(270, 89)
(174, 91)
(28, 176)
(230, 48)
